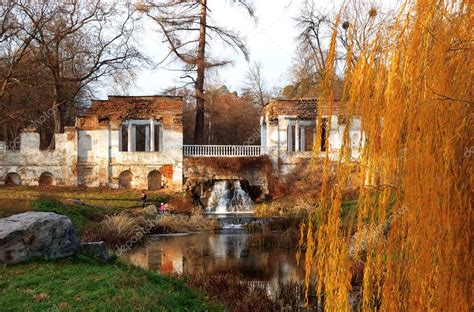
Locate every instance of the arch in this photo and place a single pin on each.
(355, 139)
(12, 179)
(86, 142)
(46, 179)
(154, 180)
(125, 179)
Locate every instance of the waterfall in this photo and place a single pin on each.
(227, 196)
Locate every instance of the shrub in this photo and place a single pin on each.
(239, 294)
(233, 292)
(114, 230)
(182, 223)
(181, 204)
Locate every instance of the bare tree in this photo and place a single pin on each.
(315, 29)
(359, 21)
(188, 29)
(16, 35)
(255, 85)
(363, 20)
(81, 42)
(18, 76)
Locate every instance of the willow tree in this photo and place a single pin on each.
(188, 29)
(412, 87)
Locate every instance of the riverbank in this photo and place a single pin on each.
(114, 216)
(81, 283)
(274, 234)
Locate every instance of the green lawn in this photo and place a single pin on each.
(82, 284)
(81, 216)
(95, 203)
(100, 197)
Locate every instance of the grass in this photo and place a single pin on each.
(114, 221)
(81, 216)
(82, 284)
(99, 197)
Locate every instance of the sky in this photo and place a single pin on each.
(270, 40)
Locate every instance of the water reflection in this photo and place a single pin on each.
(228, 251)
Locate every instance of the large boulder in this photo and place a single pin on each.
(36, 234)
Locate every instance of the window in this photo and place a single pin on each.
(341, 120)
(140, 136)
(291, 133)
(142, 133)
(124, 138)
(307, 138)
(300, 136)
(324, 129)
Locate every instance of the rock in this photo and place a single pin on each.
(151, 210)
(97, 250)
(36, 234)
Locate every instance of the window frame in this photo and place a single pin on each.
(131, 136)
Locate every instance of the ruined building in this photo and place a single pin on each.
(129, 142)
(288, 129)
(137, 142)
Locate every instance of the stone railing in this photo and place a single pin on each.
(223, 150)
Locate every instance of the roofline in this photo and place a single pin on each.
(279, 99)
(141, 96)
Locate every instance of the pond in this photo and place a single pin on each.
(225, 251)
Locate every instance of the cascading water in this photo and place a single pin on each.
(228, 196)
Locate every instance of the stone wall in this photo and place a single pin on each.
(279, 114)
(201, 172)
(89, 153)
(103, 164)
(29, 164)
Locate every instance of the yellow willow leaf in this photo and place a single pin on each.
(412, 85)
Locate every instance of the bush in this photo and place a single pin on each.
(233, 292)
(182, 223)
(115, 230)
(239, 294)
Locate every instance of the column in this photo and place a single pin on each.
(302, 139)
(289, 138)
(297, 136)
(129, 136)
(152, 135)
(267, 135)
(147, 138)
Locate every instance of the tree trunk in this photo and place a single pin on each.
(56, 115)
(199, 85)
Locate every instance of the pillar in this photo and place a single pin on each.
(152, 135)
(129, 136)
(297, 136)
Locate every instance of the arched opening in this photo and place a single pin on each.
(154, 180)
(46, 179)
(85, 145)
(355, 139)
(12, 179)
(125, 179)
